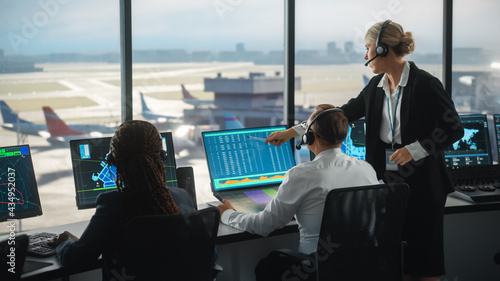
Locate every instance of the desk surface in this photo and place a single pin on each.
(455, 205)
(225, 235)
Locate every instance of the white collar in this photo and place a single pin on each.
(334, 151)
(404, 78)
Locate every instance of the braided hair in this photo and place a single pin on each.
(137, 154)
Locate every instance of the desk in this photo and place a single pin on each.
(471, 232)
(471, 239)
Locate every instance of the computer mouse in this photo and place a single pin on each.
(467, 188)
(487, 188)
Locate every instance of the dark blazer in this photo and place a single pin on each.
(103, 232)
(428, 115)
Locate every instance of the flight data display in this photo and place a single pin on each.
(93, 175)
(239, 158)
(497, 132)
(355, 142)
(474, 147)
(18, 189)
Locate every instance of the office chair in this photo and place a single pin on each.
(12, 262)
(360, 236)
(169, 247)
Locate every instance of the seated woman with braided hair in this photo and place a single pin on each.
(137, 153)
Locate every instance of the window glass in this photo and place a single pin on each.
(62, 55)
(207, 65)
(330, 46)
(476, 61)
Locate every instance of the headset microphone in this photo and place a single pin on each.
(376, 56)
(381, 49)
(298, 146)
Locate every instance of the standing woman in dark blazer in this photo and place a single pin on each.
(410, 119)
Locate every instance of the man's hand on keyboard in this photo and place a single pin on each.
(61, 238)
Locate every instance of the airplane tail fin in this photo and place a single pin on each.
(143, 102)
(232, 122)
(56, 126)
(8, 115)
(186, 94)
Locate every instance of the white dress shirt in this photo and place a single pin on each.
(416, 150)
(303, 194)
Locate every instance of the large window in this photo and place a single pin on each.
(58, 54)
(330, 46)
(228, 56)
(66, 55)
(476, 60)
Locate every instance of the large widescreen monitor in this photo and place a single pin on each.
(93, 175)
(18, 189)
(240, 159)
(474, 147)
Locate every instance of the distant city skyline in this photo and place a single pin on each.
(38, 27)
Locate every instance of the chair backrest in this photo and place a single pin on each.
(169, 247)
(185, 180)
(360, 236)
(12, 255)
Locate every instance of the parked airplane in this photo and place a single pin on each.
(59, 131)
(189, 99)
(11, 122)
(149, 114)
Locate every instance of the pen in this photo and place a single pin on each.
(256, 138)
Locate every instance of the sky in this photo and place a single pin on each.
(31, 27)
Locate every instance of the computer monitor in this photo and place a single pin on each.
(496, 119)
(474, 147)
(19, 197)
(240, 159)
(94, 176)
(355, 142)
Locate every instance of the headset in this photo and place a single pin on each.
(381, 49)
(308, 138)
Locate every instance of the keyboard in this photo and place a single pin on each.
(476, 183)
(38, 244)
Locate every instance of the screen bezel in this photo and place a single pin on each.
(282, 127)
(74, 144)
(487, 139)
(497, 133)
(32, 211)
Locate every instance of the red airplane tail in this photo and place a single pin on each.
(186, 94)
(56, 126)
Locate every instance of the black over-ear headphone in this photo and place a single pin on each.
(110, 158)
(381, 49)
(308, 137)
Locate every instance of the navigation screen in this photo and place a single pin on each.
(355, 142)
(239, 158)
(93, 175)
(18, 189)
(474, 147)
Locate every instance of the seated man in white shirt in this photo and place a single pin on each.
(305, 186)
